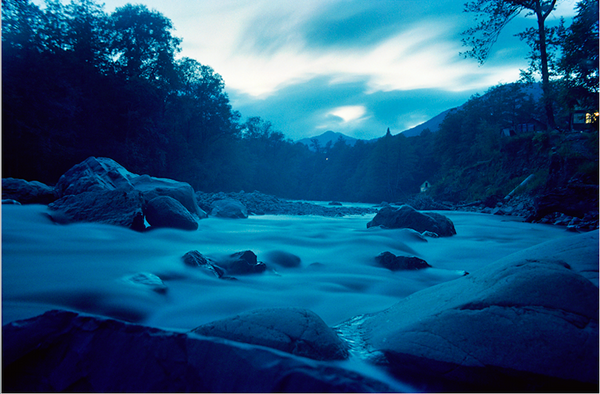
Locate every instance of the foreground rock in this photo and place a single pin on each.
(114, 207)
(396, 263)
(25, 192)
(65, 351)
(292, 330)
(165, 211)
(408, 217)
(523, 323)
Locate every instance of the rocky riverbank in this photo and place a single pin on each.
(87, 192)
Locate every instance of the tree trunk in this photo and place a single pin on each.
(541, 17)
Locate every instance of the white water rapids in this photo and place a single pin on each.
(81, 266)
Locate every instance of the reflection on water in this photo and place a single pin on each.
(81, 266)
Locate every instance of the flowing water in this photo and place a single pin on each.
(82, 266)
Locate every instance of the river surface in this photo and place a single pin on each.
(82, 266)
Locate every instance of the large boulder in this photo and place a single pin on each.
(66, 351)
(114, 207)
(25, 192)
(165, 211)
(408, 217)
(94, 174)
(229, 208)
(519, 324)
(292, 330)
(101, 173)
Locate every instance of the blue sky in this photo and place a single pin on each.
(352, 66)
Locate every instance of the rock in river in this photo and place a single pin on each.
(25, 192)
(229, 208)
(395, 263)
(115, 207)
(165, 211)
(408, 217)
(522, 323)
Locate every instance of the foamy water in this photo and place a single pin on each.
(81, 266)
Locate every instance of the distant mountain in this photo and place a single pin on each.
(432, 124)
(327, 136)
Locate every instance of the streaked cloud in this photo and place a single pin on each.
(296, 62)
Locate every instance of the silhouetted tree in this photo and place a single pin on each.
(579, 63)
(493, 16)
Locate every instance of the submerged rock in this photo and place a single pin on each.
(115, 207)
(292, 330)
(165, 211)
(25, 192)
(519, 324)
(408, 217)
(282, 259)
(395, 263)
(66, 351)
(148, 280)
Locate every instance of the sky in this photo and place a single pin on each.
(350, 66)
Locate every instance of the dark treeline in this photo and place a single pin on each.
(79, 82)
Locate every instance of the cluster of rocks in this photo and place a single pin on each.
(240, 263)
(101, 190)
(269, 350)
(257, 203)
(527, 322)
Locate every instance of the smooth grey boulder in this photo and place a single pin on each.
(229, 208)
(396, 263)
(519, 324)
(66, 351)
(114, 207)
(292, 330)
(165, 211)
(25, 192)
(408, 217)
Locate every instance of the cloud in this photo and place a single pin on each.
(311, 107)
(297, 63)
(349, 113)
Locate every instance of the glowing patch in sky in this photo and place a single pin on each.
(349, 112)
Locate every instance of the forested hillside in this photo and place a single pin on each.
(79, 82)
